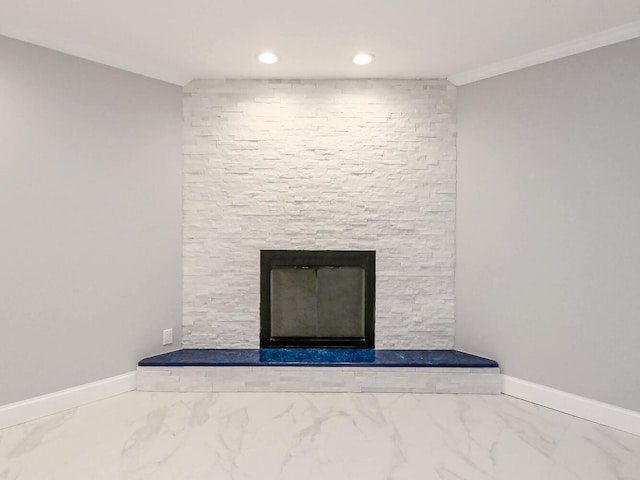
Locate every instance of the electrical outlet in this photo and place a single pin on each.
(167, 336)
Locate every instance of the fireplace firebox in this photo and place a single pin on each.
(317, 298)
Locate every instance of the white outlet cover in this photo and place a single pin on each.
(167, 336)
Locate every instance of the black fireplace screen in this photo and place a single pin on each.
(317, 298)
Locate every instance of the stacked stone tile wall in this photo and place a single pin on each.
(319, 165)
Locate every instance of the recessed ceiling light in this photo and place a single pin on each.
(363, 59)
(268, 57)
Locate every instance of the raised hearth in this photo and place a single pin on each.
(319, 370)
(316, 357)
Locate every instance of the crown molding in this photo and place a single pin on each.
(624, 32)
(100, 57)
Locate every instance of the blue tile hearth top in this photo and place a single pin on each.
(316, 357)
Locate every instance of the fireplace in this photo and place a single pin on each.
(317, 298)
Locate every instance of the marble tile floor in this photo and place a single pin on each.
(144, 435)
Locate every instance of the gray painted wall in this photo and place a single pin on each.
(90, 212)
(548, 223)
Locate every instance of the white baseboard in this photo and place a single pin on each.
(599, 412)
(32, 408)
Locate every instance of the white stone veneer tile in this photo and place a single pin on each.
(321, 379)
(319, 165)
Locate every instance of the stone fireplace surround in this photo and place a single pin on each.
(319, 165)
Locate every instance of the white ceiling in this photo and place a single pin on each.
(178, 40)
